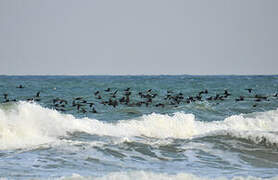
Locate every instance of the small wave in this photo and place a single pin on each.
(267, 139)
(143, 175)
(28, 124)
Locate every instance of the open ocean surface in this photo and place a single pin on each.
(143, 127)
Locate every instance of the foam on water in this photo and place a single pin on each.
(143, 175)
(28, 124)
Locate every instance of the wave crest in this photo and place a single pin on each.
(28, 124)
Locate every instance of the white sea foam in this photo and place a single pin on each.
(143, 175)
(29, 124)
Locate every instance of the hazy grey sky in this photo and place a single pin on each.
(89, 37)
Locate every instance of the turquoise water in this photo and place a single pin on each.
(179, 127)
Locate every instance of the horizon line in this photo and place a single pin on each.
(138, 74)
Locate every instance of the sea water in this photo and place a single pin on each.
(191, 138)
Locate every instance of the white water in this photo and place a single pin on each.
(142, 175)
(28, 124)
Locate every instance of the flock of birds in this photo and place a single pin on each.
(112, 97)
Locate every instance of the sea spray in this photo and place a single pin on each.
(28, 124)
(144, 175)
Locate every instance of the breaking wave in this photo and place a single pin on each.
(29, 124)
(142, 175)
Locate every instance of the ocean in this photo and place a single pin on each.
(139, 127)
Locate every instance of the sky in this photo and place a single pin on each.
(143, 37)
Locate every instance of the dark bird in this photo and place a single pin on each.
(226, 92)
(83, 101)
(30, 99)
(60, 109)
(93, 110)
(258, 100)
(261, 97)
(209, 98)
(249, 90)
(127, 89)
(5, 96)
(78, 106)
(168, 97)
(20, 86)
(216, 97)
(113, 103)
(96, 93)
(199, 98)
(201, 92)
(141, 94)
(91, 104)
(78, 98)
(190, 98)
(107, 90)
(38, 94)
(241, 98)
(159, 105)
(122, 100)
(63, 101)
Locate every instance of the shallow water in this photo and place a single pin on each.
(183, 139)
